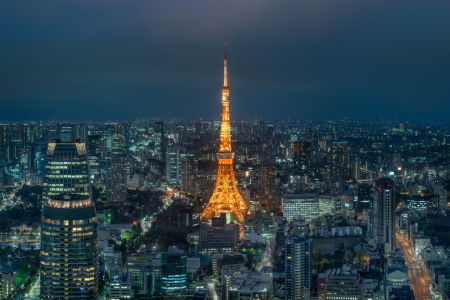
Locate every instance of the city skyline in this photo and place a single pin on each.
(297, 60)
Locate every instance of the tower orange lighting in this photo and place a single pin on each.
(226, 197)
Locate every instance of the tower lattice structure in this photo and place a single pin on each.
(226, 196)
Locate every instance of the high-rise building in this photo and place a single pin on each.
(66, 170)
(302, 157)
(4, 141)
(189, 167)
(356, 169)
(93, 152)
(262, 129)
(298, 253)
(339, 159)
(269, 132)
(226, 197)
(395, 161)
(442, 204)
(300, 205)
(7, 284)
(173, 272)
(65, 132)
(69, 246)
(384, 218)
(267, 179)
(81, 132)
(309, 133)
(174, 159)
(159, 137)
(116, 181)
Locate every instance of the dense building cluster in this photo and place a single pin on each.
(352, 209)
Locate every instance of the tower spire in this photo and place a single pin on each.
(226, 197)
(225, 76)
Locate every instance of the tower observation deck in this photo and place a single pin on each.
(226, 197)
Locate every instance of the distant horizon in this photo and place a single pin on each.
(320, 60)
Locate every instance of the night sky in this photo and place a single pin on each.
(292, 58)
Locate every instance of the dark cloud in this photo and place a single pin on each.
(304, 58)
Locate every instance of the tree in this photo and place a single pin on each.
(348, 257)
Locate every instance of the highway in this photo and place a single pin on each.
(417, 279)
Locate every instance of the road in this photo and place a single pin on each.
(417, 279)
(35, 289)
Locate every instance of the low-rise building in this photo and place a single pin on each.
(233, 261)
(7, 284)
(249, 285)
(120, 286)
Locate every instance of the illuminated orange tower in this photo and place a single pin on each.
(226, 197)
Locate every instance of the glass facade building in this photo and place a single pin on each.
(69, 248)
(66, 170)
(173, 272)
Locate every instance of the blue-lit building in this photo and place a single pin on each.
(173, 272)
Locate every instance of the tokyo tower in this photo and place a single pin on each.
(226, 197)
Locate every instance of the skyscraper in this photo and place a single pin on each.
(81, 132)
(93, 152)
(66, 170)
(173, 272)
(69, 258)
(442, 204)
(159, 138)
(174, 159)
(356, 172)
(384, 209)
(339, 160)
(302, 157)
(116, 181)
(267, 179)
(298, 252)
(65, 132)
(226, 197)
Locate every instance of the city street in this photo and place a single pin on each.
(418, 281)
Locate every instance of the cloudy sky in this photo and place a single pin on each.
(107, 59)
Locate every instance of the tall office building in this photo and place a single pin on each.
(309, 133)
(298, 253)
(384, 218)
(300, 205)
(262, 129)
(159, 138)
(81, 132)
(269, 132)
(356, 169)
(65, 132)
(116, 181)
(69, 246)
(267, 179)
(4, 141)
(395, 161)
(339, 160)
(442, 204)
(93, 152)
(66, 170)
(173, 272)
(174, 159)
(189, 167)
(302, 157)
